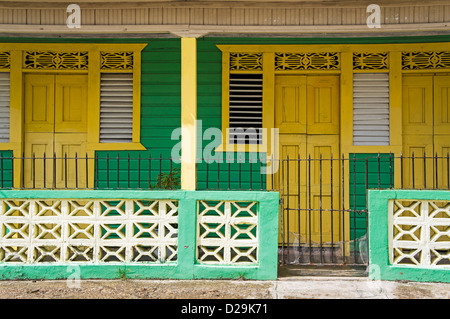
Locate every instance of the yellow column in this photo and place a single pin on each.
(188, 113)
(16, 114)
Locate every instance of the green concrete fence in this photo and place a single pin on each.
(409, 235)
(52, 234)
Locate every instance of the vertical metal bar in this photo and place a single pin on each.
(288, 207)
(261, 174)
(128, 175)
(34, 171)
(76, 170)
(332, 208)
(218, 173)
(309, 208)
(401, 170)
(12, 171)
(139, 170)
(436, 171)
(107, 170)
(23, 170)
(391, 172)
(320, 207)
(424, 171)
(367, 175)
(1, 163)
(160, 170)
(149, 170)
(229, 172)
(45, 173)
(282, 214)
(65, 170)
(271, 164)
(87, 171)
(299, 205)
(170, 174)
(207, 171)
(54, 170)
(96, 168)
(379, 171)
(240, 175)
(413, 169)
(354, 207)
(118, 170)
(250, 162)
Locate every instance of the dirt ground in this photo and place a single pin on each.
(135, 289)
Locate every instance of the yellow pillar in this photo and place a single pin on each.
(188, 113)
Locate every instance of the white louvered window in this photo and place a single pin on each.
(116, 107)
(371, 109)
(4, 107)
(245, 108)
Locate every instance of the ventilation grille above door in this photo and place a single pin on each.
(245, 108)
(4, 107)
(371, 109)
(116, 107)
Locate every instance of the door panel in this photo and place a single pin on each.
(414, 149)
(442, 149)
(290, 110)
(442, 105)
(39, 103)
(37, 144)
(71, 103)
(324, 188)
(72, 146)
(418, 105)
(323, 104)
(291, 177)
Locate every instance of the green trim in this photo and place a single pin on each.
(380, 267)
(186, 266)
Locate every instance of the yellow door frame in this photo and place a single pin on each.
(95, 64)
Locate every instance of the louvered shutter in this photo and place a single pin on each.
(371, 109)
(116, 107)
(245, 108)
(4, 107)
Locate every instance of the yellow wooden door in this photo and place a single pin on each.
(70, 130)
(307, 116)
(55, 123)
(323, 143)
(39, 127)
(426, 130)
(442, 128)
(417, 131)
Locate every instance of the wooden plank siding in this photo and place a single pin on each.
(229, 16)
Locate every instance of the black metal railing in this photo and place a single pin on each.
(323, 212)
(109, 171)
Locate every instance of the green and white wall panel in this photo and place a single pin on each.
(148, 234)
(409, 235)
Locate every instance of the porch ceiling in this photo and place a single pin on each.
(229, 17)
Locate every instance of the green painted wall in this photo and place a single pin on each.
(6, 171)
(378, 176)
(160, 115)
